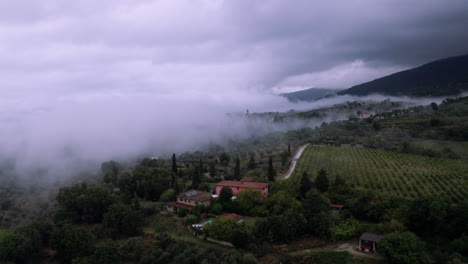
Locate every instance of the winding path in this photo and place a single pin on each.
(294, 161)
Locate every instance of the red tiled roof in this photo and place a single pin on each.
(195, 195)
(181, 205)
(248, 178)
(336, 205)
(234, 216)
(242, 184)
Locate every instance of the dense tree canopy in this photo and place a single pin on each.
(403, 248)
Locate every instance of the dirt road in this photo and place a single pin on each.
(294, 161)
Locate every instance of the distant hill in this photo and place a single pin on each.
(439, 78)
(311, 94)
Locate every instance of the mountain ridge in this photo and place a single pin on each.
(443, 77)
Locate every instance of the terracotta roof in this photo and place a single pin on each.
(248, 178)
(234, 216)
(195, 195)
(243, 184)
(336, 205)
(181, 205)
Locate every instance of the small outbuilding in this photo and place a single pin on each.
(368, 242)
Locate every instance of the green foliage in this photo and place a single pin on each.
(217, 209)
(237, 170)
(106, 253)
(14, 247)
(306, 184)
(225, 195)
(110, 170)
(224, 159)
(281, 228)
(82, 204)
(71, 242)
(168, 195)
(376, 125)
(123, 220)
(345, 230)
(282, 201)
(271, 170)
(403, 248)
(386, 172)
(146, 182)
(212, 169)
(174, 164)
(191, 219)
(321, 182)
(252, 164)
(227, 229)
(248, 199)
(427, 215)
(316, 211)
(132, 248)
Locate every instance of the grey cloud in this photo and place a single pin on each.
(219, 52)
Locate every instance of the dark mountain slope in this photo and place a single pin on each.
(439, 78)
(311, 94)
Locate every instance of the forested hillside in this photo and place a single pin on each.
(439, 78)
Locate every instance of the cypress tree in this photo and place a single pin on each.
(212, 169)
(306, 184)
(289, 149)
(196, 178)
(174, 164)
(252, 165)
(237, 170)
(322, 181)
(200, 167)
(271, 170)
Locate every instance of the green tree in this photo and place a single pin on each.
(174, 164)
(306, 184)
(227, 229)
(107, 253)
(427, 215)
(94, 203)
(224, 158)
(282, 201)
(252, 164)
(321, 182)
(248, 199)
(376, 125)
(14, 247)
(168, 195)
(110, 170)
(434, 106)
(345, 230)
(71, 242)
(289, 149)
(212, 169)
(237, 169)
(316, 208)
(225, 195)
(196, 177)
(123, 220)
(281, 228)
(217, 209)
(271, 170)
(403, 248)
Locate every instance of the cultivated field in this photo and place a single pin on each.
(388, 172)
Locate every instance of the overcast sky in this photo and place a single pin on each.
(95, 80)
(86, 47)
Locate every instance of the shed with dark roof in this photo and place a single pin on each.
(368, 242)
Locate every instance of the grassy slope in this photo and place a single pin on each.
(388, 172)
